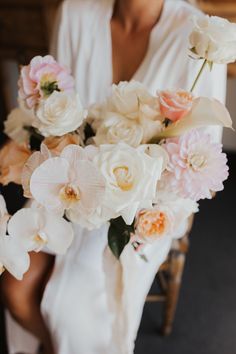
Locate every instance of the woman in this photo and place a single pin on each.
(105, 42)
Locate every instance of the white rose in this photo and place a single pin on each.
(116, 129)
(132, 100)
(15, 123)
(131, 177)
(59, 114)
(214, 39)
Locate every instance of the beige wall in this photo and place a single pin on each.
(229, 137)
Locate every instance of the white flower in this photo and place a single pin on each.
(59, 114)
(167, 218)
(118, 128)
(214, 39)
(13, 257)
(15, 123)
(91, 221)
(130, 114)
(131, 177)
(70, 181)
(35, 160)
(36, 228)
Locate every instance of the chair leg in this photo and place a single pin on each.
(176, 267)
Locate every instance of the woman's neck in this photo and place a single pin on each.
(135, 15)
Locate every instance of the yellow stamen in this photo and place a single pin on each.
(123, 178)
(70, 193)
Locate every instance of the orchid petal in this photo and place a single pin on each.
(13, 257)
(204, 112)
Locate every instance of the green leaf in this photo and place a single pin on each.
(119, 235)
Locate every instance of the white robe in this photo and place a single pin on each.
(78, 304)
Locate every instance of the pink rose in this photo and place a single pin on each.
(174, 105)
(41, 77)
(12, 160)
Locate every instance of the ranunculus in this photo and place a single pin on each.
(36, 228)
(131, 177)
(41, 78)
(57, 143)
(59, 114)
(15, 123)
(214, 39)
(152, 224)
(174, 105)
(70, 181)
(197, 167)
(12, 159)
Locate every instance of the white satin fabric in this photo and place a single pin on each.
(93, 305)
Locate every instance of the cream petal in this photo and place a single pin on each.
(73, 153)
(91, 184)
(47, 180)
(205, 112)
(59, 233)
(13, 257)
(23, 226)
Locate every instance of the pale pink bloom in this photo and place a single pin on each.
(197, 167)
(34, 161)
(36, 228)
(70, 181)
(174, 105)
(41, 77)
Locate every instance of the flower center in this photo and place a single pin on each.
(70, 193)
(48, 84)
(41, 241)
(196, 162)
(123, 179)
(152, 223)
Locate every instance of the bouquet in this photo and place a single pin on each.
(137, 162)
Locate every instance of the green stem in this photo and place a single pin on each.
(198, 75)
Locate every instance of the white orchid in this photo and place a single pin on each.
(70, 181)
(34, 161)
(36, 228)
(13, 256)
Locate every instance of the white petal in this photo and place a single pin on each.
(205, 112)
(23, 226)
(13, 257)
(47, 180)
(59, 233)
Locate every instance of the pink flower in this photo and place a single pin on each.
(174, 105)
(197, 167)
(41, 77)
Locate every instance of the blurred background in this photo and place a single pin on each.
(206, 313)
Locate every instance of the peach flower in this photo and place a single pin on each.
(58, 143)
(12, 159)
(174, 105)
(152, 224)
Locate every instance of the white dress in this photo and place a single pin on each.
(79, 304)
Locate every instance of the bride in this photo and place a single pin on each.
(105, 42)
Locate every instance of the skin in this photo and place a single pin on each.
(131, 25)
